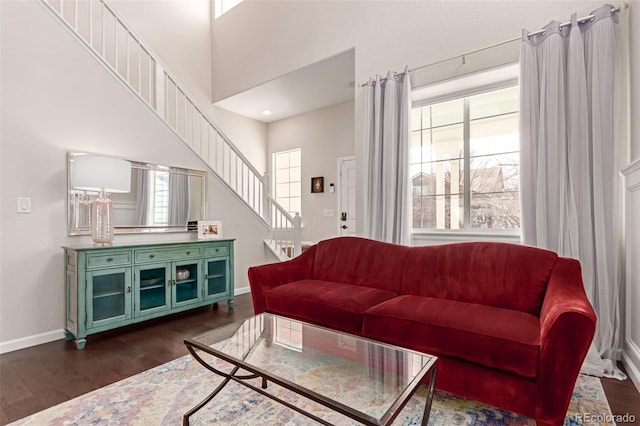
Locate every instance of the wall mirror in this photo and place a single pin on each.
(162, 199)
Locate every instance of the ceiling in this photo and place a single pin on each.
(322, 84)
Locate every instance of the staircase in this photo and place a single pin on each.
(134, 64)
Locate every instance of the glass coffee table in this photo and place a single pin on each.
(360, 378)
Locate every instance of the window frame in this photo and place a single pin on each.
(449, 90)
(274, 181)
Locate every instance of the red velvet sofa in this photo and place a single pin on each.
(511, 324)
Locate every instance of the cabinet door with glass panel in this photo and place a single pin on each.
(185, 282)
(152, 288)
(217, 284)
(161, 286)
(108, 296)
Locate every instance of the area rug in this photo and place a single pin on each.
(161, 395)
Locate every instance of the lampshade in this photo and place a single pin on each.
(94, 173)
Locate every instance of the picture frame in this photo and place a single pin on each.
(209, 229)
(317, 184)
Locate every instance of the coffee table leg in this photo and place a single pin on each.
(227, 379)
(427, 406)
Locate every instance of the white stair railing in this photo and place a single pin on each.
(286, 231)
(123, 53)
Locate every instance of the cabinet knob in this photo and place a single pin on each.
(217, 250)
(188, 252)
(152, 255)
(109, 259)
(129, 289)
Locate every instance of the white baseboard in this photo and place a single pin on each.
(50, 336)
(27, 342)
(241, 290)
(631, 361)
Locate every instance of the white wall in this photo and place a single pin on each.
(55, 98)
(324, 135)
(179, 32)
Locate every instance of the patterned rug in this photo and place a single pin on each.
(161, 395)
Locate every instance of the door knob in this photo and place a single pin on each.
(344, 226)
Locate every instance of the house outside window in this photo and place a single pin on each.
(287, 180)
(464, 162)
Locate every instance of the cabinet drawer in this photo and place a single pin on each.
(221, 250)
(168, 254)
(108, 259)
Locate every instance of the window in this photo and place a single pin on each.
(287, 180)
(159, 188)
(223, 6)
(464, 163)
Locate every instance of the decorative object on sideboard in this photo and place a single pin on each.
(104, 175)
(317, 184)
(209, 230)
(182, 274)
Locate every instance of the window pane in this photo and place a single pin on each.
(282, 175)
(416, 124)
(446, 143)
(282, 190)
(294, 189)
(294, 207)
(426, 117)
(281, 160)
(295, 174)
(415, 150)
(494, 103)
(495, 211)
(495, 135)
(295, 158)
(449, 112)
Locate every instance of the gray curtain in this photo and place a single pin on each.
(387, 117)
(570, 159)
(142, 193)
(178, 198)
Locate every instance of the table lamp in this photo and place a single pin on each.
(104, 175)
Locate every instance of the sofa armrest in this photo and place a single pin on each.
(265, 277)
(567, 327)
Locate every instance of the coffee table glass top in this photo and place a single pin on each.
(368, 379)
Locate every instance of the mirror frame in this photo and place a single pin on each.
(73, 200)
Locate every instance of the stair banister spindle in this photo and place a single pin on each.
(90, 23)
(75, 14)
(103, 31)
(127, 53)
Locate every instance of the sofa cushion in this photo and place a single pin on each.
(335, 305)
(359, 261)
(495, 337)
(510, 276)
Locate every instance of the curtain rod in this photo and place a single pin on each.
(623, 6)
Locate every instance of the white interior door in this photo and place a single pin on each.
(347, 196)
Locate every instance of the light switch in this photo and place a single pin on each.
(24, 205)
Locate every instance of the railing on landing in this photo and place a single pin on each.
(114, 44)
(286, 231)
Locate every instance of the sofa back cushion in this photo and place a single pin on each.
(360, 261)
(504, 275)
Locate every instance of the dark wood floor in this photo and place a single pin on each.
(36, 378)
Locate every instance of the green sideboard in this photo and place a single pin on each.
(109, 287)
